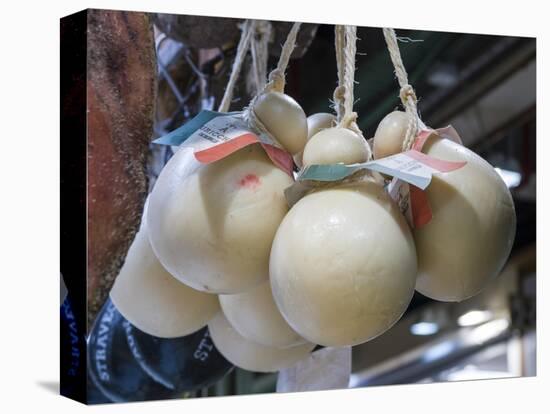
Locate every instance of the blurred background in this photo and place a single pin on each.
(482, 85)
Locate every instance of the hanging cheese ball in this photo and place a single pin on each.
(389, 136)
(319, 121)
(335, 145)
(153, 300)
(284, 118)
(212, 226)
(255, 316)
(249, 355)
(343, 264)
(472, 230)
(315, 123)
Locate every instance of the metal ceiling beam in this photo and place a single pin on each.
(480, 77)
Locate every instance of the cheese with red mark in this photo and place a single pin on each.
(212, 226)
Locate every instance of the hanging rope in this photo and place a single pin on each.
(407, 94)
(349, 117)
(276, 83)
(339, 45)
(260, 55)
(247, 29)
(343, 95)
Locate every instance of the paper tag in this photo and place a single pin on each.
(411, 166)
(215, 135)
(325, 369)
(399, 191)
(419, 204)
(412, 202)
(448, 132)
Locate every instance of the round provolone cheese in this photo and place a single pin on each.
(255, 316)
(472, 230)
(343, 265)
(153, 300)
(211, 226)
(335, 145)
(284, 118)
(315, 123)
(249, 355)
(389, 136)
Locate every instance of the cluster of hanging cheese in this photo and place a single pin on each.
(202, 253)
(219, 246)
(473, 225)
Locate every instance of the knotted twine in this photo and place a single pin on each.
(346, 48)
(339, 45)
(407, 94)
(275, 83)
(259, 51)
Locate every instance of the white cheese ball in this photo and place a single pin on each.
(389, 136)
(212, 226)
(249, 355)
(153, 300)
(470, 236)
(319, 121)
(255, 316)
(284, 118)
(343, 265)
(335, 145)
(315, 123)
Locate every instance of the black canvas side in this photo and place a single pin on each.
(73, 195)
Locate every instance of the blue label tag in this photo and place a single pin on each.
(327, 172)
(179, 135)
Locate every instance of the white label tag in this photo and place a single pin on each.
(216, 131)
(399, 192)
(403, 166)
(412, 166)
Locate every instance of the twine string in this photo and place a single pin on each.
(343, 95)
(406, 93)
(259, 51)
(276, 83)
(247, 29)
(339, 92)
(276, 80)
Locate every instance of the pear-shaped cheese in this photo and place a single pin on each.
(153, 300)
(212, 226)
(472, 230)
(335, 145)
(249, 355)
(255, 316)
(284, 118)
(389, 136)
(343, 265)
